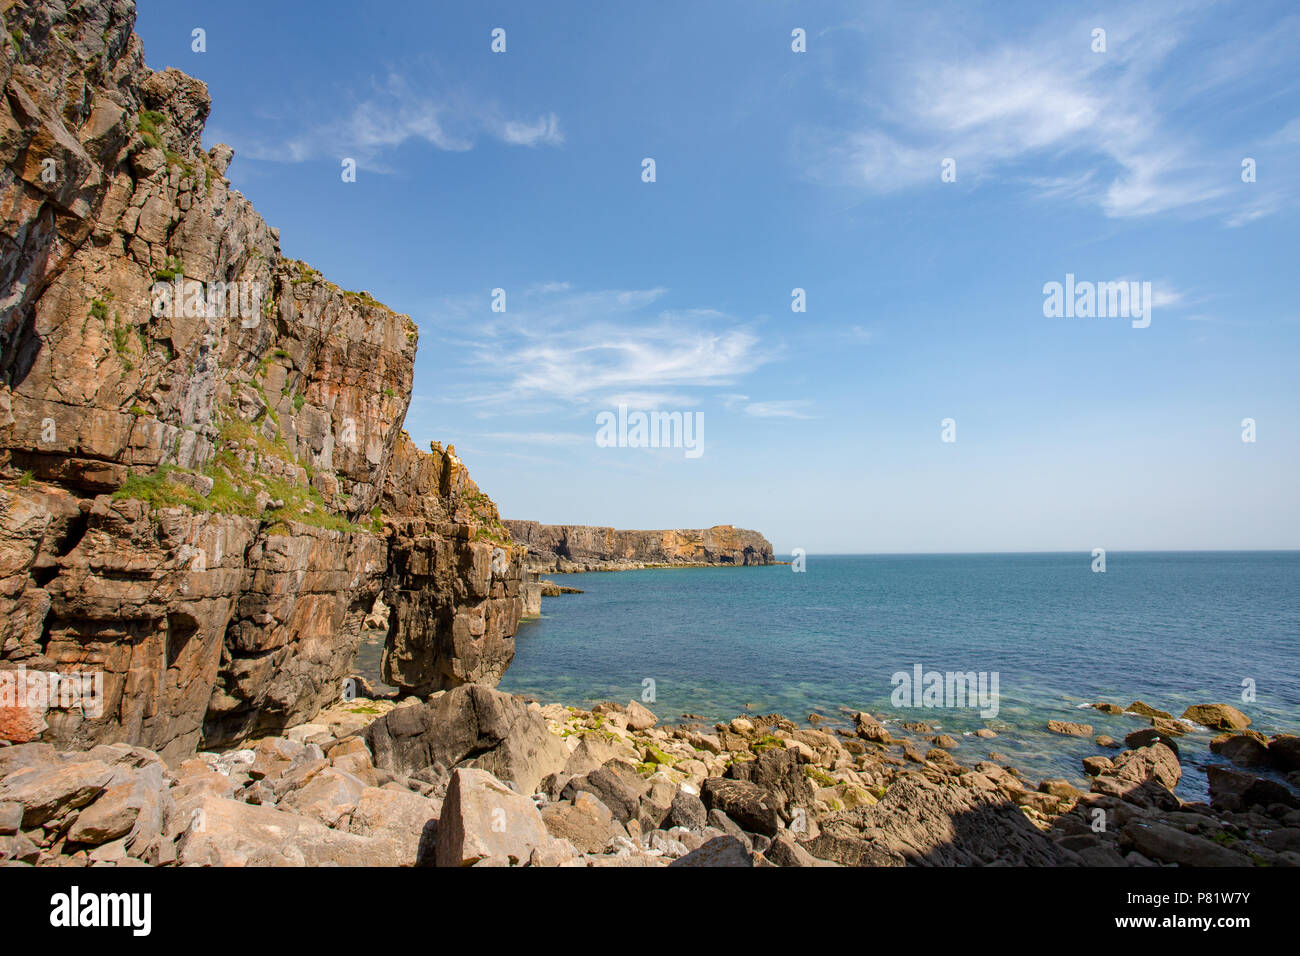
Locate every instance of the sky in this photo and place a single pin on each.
(826, 171)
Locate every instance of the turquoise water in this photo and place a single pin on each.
(1171, 629)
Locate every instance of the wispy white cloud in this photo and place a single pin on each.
(586, 349)
(1110, 129)
(793, 408)
(393, 113)
(790, 408)
(544, 132)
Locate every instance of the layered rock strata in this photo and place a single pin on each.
(204, 480)
(572, 548)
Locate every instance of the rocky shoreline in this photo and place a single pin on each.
(475, 776)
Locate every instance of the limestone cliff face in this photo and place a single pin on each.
(558, 547)
(204, 481)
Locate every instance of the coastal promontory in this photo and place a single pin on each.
(569, 548)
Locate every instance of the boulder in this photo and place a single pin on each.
(592, 751)
(585, 822)
(1168, 727)
(483, 818)
(557, 853)
(617, 788)
(1241, 749)
(19, 848)
(752, 807)
(922, 822)
(786, 851)
(1157, 841)
(869, 728)
(1069, 729)
(781, 774)
(406, 820)
(1238, 792)
(720, 851)
(272, 756)
(216, 831)
(469, 726)
(50, 791)
(111, 816)
(11, 818)
(1146, 710)
(688, 811)
(1284, 752)
(1149, 736)
(328, 797)
(1059, 788)
(639, 717)
(1217, 716)
(1093, 766)
(1145, 776)
(656, 803)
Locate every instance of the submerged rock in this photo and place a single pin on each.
(1069, 729)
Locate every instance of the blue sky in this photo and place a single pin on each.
(819, 170)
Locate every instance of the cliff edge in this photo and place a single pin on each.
(204, 479)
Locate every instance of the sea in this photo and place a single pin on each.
(1170, 629)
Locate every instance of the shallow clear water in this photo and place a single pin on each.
(1171, 629)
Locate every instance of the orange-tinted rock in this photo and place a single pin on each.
(154, 334)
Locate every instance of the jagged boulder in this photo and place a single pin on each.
(1145, 776)
(869, 728)
(469, 726)
(752, 807)
(780, 774)
(1235, 791)
(616, 785)
(584, 821)
(482, 819)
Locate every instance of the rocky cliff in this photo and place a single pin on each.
(557, 547)
(204, 479)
